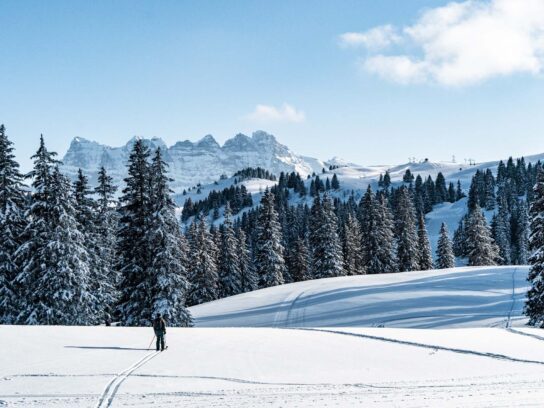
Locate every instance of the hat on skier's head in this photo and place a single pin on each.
(158, 316)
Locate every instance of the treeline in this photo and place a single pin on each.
(253, 172)
(382, 232)
(429, 192)
(236, 196)
(509, 195)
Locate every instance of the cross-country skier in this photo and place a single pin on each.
(159, 326)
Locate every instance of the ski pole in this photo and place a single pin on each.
(148, 347)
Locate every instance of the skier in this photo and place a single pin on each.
(159, 326)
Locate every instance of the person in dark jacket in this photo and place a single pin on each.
(159, 326)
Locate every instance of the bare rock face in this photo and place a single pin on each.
(189, 162)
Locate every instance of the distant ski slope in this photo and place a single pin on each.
(459, 297)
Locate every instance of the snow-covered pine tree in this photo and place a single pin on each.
(216, 237)
(451, 193)
(473, 192)
(408, 177)
(335, 184)
(386, 180)
(300, 257)
(367, 220)
(135, 307)
(99, 270)
(429, 195)
(489, 190)
(425, 259)
(167, 270)
(325, 244)
(377, 238)
(407, 242)
(481, 249)
(12, 224)
(249, 280)
(106, 220)
(534, 306)
(385, 260)
(55, 272)
(444, 251)
(351, 245)
(203, 272)
(522, 234)
(500, 228)
(441, 191)
(269, 252)
(229, 265)
(459, 191)
(459, 238)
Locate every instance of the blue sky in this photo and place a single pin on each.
(109, 70)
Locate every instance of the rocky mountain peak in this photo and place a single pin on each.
(189, 162)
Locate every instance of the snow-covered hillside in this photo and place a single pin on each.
(459, 297)
(294, 366)
(192, 163)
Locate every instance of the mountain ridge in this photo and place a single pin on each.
(191, 163)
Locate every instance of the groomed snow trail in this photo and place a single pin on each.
(112, 387)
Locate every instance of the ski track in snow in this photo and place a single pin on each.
(509, 317)
(522, 333)
(423, 345)
(112, 387)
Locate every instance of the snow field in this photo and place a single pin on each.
(280, 367)
(313, 347)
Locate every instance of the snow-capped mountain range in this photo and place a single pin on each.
(189, 162)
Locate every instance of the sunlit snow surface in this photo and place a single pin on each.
(459, 297)
(315, 347)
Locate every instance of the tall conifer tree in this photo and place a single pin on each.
(167, 269)
(407, 247)
(425, 259)
(12, 224)
(229, 265)
(534, 306)
(203, 272)
(269, 252)
(444, 251)
(481, 249)
(135, 306)
(325, 243)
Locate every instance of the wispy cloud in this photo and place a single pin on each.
(375, 38)
(268, 113)
(459, 44)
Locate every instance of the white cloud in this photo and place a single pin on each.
(398, 68)
(375, 38)
(464, 43)
(285, 113)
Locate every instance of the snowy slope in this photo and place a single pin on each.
(459, 297)
(299, 366)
